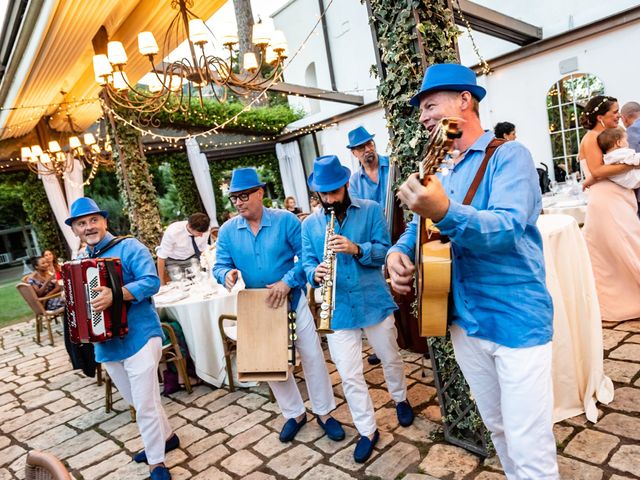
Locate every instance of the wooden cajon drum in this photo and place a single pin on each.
(263, 338)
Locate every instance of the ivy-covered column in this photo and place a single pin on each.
(39, 214)
(135, 183)
(412, 34)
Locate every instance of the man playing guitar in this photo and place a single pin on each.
(502, 313)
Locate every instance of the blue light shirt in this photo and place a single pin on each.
(362, 294)
(633, 135)
(264, 258)
(140, 278)
(361, 186)
(498, 277)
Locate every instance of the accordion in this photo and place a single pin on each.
(80, 277)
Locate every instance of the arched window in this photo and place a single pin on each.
(565, 101)
(311, 80)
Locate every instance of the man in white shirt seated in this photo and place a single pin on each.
(182, 241)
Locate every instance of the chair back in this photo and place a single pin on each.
(43, 465)
(29, 295)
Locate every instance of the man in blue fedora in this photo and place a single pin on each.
(132, 361)
(363, 301)
(501, 320)
(262, 243)
(371, 179)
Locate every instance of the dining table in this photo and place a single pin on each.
(578, 373)
(567, 200)
(196, 308)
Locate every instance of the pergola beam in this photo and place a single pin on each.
(496, 24)
(317, 93)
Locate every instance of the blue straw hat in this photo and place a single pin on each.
(450, 77)
(328, 174)
(244, 179)
(82, 207)
(359, 136)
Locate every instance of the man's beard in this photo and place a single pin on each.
(370, 158)
(339, 208)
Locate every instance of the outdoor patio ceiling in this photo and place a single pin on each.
(53, 53)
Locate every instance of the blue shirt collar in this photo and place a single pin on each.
(265, 221)
(481, 144)
(383, 161)
(106, 239)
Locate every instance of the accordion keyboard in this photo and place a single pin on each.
(97, 318)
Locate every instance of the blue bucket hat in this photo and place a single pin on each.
(358, 136)
(244, 179)
(450, 77)
(82, 207)
(328, 174)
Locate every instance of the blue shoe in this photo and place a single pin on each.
(364, 448)
(332, 428)
(291, 429)
(160, 473)
(405, 413)
(373, 359)
(172, 444)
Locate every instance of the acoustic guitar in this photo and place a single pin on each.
(433, 255)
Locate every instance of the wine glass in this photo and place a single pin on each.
(553, 187)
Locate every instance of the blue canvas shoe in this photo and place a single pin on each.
(160, 473)
(364, 448)
(291, 429)
(405, 413)
(172, 444)
(332, 428)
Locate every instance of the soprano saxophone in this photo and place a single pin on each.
(328, 290)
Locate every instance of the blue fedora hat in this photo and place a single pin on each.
(449, 77)
(244, 179)
(328, 174)
(359, 136)
(82, 207)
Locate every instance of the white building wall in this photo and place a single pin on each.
(517, 92)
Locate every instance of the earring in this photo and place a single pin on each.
(601, 123)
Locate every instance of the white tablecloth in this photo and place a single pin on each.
(198, 315)
(566, 204)
(578, 375)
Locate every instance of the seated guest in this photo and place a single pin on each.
(54, 266)
(506, 130)
(44, 282)
(290, 205)
(181, 242)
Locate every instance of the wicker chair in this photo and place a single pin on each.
(38, 307)
(45, 466)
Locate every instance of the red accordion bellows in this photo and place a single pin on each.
(80, 277)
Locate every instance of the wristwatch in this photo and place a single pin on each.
(358, 255)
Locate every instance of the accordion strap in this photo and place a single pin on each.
(112, 243)
(118, 298)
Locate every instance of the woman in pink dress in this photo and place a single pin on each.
(612, 227)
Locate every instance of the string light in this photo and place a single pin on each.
(486, 70)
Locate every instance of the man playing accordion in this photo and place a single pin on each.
(131, 361)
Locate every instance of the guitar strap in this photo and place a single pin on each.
(491, 148)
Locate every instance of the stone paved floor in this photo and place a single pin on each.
(44, 405)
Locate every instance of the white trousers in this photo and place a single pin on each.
(315, 370)
(513, 390)
(346, 351)
(136, 378)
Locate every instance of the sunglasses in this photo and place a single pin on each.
(244, 196)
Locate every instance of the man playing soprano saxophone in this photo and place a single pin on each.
(362, 302)
(262, 244)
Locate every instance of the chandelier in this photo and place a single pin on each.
(174, 84)
(60, 160)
